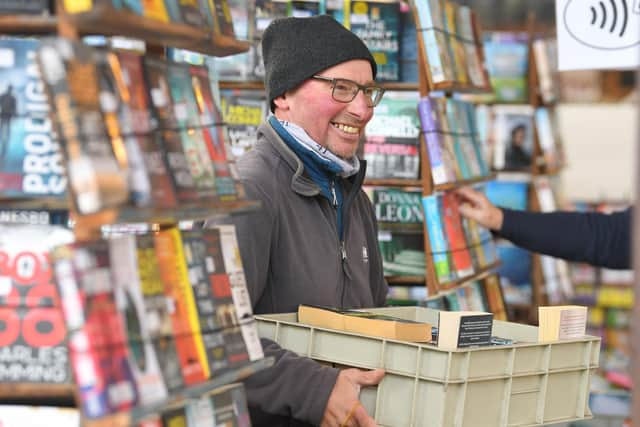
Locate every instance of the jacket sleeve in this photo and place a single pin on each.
(294, 386)
(603, 240)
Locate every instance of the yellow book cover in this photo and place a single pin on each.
(155, 9)
(186, 327)
(456, 46)
(365, 323)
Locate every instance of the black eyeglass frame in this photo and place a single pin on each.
(363, 88)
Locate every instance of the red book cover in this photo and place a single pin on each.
(455, 235)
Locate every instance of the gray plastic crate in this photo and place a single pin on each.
(525, 384)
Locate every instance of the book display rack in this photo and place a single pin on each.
(130, 145)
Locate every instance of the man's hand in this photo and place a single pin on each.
(475, 205)
(343, 407)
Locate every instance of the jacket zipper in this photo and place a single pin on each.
(343, 246)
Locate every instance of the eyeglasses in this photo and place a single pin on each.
(344, 90)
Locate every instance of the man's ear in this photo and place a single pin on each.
(281, 102)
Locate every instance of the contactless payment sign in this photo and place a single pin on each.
(598, 34)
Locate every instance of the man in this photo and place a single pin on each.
(314, 241)
(599, 239)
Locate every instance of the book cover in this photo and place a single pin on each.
(377, 24)
(239, 67)
(130, 302)
(155, 9)
(430, 14)
(397, 209)
(402, 253)
(507, 59)
(464, 147)
(561, 322)
(186, 328)
(243, 111)
(213, 132)
(365, 323)
(494, 297)
(136, 123)
(439, 244)
(515, 272)
(32, 340)
(545, 57)
(30, 155)
(475, 65)
(200, 412)
(441, 156)
(239, 291)
(455, 236)
(191, 14)
(547, 138)
(25, 7)
(222, 18)
(461, 329)
(196, 256)
(97, 337)
(157, 312)
(188, 122)
(514, 143)
(392, 140)
(235, 346)
(73, 78)
(175, 417)
(455, 44)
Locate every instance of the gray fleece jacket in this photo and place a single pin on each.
(292, 255)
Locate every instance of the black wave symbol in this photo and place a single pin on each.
(612, 11)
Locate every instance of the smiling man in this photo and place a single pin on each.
(315, 239)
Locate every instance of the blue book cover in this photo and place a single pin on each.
(438, 242)
(507, 59)
(378, 25)
(508, 194)
(30, 156)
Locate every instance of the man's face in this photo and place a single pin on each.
(332, 124)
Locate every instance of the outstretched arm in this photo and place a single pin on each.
(603, 240)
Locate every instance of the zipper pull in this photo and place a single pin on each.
(343, 251)
(333, 192)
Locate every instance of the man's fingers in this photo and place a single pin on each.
(369, 377)
(363, 419)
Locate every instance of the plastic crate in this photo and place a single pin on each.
(524, 384)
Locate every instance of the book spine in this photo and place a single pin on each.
(455, 236)
(436, 237)
(185, 321)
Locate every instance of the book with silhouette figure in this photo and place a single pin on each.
(364, 322)
(31, 163)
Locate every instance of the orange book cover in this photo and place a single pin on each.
(186, 327)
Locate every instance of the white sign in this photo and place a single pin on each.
(598, 34)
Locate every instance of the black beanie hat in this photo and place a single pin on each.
(294, 49)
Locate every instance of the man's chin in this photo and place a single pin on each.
(344, 151)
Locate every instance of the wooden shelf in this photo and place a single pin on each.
(44, 392)
(28, 24)
(162, 216)
(122, 419)
(405, 280)
(461, 88)
(36, 203)
(393, 182)
(480, 274)
(103, 19)
(400, 86)
(463, 183)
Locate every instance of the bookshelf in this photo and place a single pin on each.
(74, 19)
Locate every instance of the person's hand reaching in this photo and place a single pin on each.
(343, 407)
(475, 205)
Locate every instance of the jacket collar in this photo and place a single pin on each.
(300, 183)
